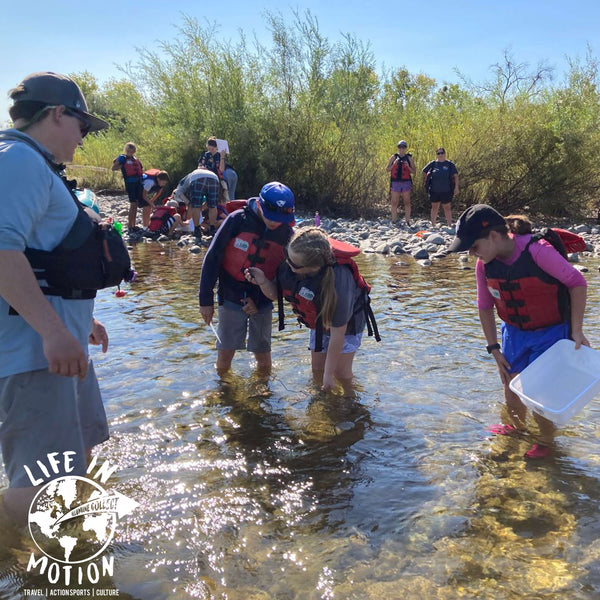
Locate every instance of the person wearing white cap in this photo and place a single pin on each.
(49, 396)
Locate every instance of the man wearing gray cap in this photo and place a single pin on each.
(49, 396)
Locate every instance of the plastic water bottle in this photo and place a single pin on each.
(317, 219)
(118, 228)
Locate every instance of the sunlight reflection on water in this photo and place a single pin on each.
(254, 489)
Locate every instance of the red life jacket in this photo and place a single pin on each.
(400, 169)
(235, 205)
(160, 216)
(525, 295)
(132, 167)
(304, 294)
(255, 246)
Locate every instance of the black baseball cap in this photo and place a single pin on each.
(473, 224)
(53, 90)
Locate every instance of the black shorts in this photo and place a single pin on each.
(443, 197)
(135, 191)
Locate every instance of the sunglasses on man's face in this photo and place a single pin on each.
(84, 124)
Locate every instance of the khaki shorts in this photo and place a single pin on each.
(43, 413)
(234, 325)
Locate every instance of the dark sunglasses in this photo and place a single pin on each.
(84, 126)
(438, 153)
(290, 262)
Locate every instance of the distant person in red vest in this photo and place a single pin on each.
(132, 171)
(401, 167)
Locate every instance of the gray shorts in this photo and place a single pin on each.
(43, 413)
(235, 324)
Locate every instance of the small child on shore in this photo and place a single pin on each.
(132, 171)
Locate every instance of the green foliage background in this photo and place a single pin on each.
(316, 115)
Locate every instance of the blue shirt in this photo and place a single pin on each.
(210, 161)
(442, 175)
(36, 211)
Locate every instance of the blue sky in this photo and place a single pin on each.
(425, 37)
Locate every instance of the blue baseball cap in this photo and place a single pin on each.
(277, 202)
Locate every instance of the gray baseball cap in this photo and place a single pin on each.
(54, 89)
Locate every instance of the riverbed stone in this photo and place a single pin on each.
(195, 249)
(436, 238)
(420, 254)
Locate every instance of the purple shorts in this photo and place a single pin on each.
(401, 186)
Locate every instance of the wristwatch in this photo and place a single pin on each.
(492, 347)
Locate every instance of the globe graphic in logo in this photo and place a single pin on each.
(71, 520)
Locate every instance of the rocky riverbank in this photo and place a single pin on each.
(422, 242)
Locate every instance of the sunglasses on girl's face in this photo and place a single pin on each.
(84, 124)
(438, 153)
(290, 262)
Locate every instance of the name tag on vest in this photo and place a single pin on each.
(494, 292)
(306, 293)
(241, 244)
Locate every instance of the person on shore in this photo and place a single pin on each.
(154, 184)
(255, 234)
(49, 396)
(231, 177)
(441, 183)
(197, 187)
(401, 167)
(132, 171)
(166, 220)
(327, 298)
(543, 303)
(214, 160)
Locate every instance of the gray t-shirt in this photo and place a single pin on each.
(348, 294)
(36, 211)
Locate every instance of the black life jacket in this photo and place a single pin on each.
(91, 256)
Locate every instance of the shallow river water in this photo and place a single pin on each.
(256, 489)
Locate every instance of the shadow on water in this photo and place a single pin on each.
(265, 488)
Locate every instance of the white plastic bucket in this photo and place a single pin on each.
(560, 382)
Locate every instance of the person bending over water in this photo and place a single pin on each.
(327, 298)
(542, 280)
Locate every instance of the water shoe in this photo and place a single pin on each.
(503, 429)
(538, 451)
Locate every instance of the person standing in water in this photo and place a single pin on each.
(539, 296)
(255, 234)
(328, 299)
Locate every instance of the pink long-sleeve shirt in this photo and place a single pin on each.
(544, 255)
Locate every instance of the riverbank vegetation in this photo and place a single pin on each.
(319, 116)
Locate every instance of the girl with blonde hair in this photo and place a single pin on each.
(326, 297)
